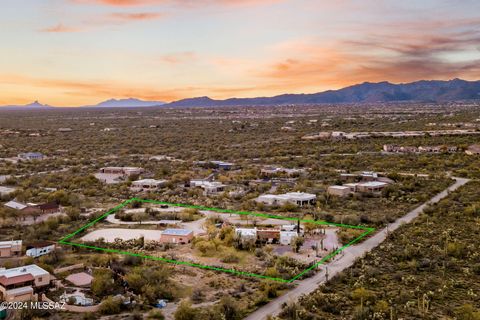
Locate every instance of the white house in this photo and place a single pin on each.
(367, 187)
(123, 171)
(286, 237)
(371, 186)
(39, 249)
(147, 185)
(31, 156)
(246, 233)
(15, 205)
(268, 171)
(209, 187)
(299, 198)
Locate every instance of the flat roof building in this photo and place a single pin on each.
(340, 191)
(126, 171)
(147, 185)
(177, 236)
(31, 156)
(19, 284)
(246, 233)
(299, 198)
(209, 187)
(270, 170)
(10, 248)
(15, 205)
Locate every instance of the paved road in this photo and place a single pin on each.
(346, 258)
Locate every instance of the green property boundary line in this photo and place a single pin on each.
(65, 239)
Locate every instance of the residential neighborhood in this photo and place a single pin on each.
(85, 233)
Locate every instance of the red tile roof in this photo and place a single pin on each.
(6, 281)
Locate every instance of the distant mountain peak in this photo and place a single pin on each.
(36, 104)
(128, 102)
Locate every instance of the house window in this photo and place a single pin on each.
(40, 279)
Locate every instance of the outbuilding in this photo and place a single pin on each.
(177, 236)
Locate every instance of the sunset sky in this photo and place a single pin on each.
(75, 52)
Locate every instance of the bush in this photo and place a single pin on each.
(185, 311)
(230, 258)
(155, 314)
(111, 305)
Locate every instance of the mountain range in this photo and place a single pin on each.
(367, 92)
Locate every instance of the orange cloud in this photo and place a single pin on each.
(395, 57)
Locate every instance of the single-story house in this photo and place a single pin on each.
(178, 236)
(40, 248)
(246, 233)
(31, 156)
(26, 208)
(222, 165)
(299, 198)
(123, 171)
(270, 171)
(209, 187)
(363, 176)
(340, 191)
(147, 185)
(10, 248)
(371, 186)
(19, 284)
(216, 164)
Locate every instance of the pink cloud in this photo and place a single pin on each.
(179, 57)
(135, 16)
(189, 3)
(60, 28)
